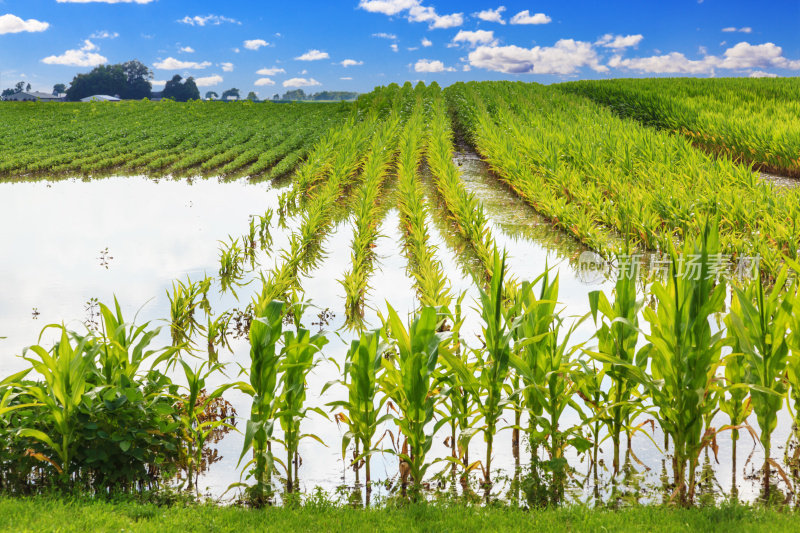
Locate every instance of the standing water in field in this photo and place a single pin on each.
(131, 237)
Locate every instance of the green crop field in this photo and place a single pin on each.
(496, 385)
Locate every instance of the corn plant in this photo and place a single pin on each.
(554, 392)
(265, 332)
(184, 302)
(298, 358)
(793, 377)
(195, 430)
(362, 408)
(760, 324)
(122, 348)
(533, 339)
(683, 356)
(492, 362)
(735, 402)
(65, 371)
(408, 380)
(617, 336)
(231, 257)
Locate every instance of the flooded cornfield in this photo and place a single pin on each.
(369, 312)
(130, 237)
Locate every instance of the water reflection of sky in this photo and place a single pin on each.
(54, 233)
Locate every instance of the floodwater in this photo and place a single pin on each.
(69, 241)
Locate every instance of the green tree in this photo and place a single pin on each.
(231, 92)
(59, 88)
(211, 95)
(137, 80)
(129, 80)
(181, 90)
(252, 96)
(297, 94)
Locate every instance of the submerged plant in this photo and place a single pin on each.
(362, 371)
(408, 379)
(297, 358)
(265, 333)
(760, 323)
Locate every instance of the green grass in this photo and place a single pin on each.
(45, 514)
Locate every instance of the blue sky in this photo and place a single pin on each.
(358, 44)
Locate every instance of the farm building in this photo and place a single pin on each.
(100, 98)
(33, 96)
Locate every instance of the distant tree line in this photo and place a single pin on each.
(129, 81)
(299, 94)
(18, 88)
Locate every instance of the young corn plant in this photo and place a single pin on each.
(65, 371)
(195, 430)
(265, 333)
(533, 341)
(458, 407)
(408, 380)
(793, 377)
(231, 259)
(297, 359)
(554, 393)
(683, 356)
(184, 303)
(735, 402)
(617, 337)
(362, 371)
(122, 347)
(488, 387)
(760, 323)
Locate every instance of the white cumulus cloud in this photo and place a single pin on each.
(619, 41)
(255, 44)
(83, 57)
(208, 81)
(525, 17)
(426, 42)
(104, 35)
(742, 56)
(762, 74)
(264, 81)
(351, 63)
(414, 11)
(394, 47)
(301, 82)
(672, 63)
(270, 71)
(186, 50)
(431, 65)
(383, 35)
(207, 20)
(13, 24)
(226, 67)
(491, 15)
(171, 63)
(387, 7)
(313, 55)
(565, 57)
(474, 38)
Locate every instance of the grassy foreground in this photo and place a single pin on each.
(47, 514)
